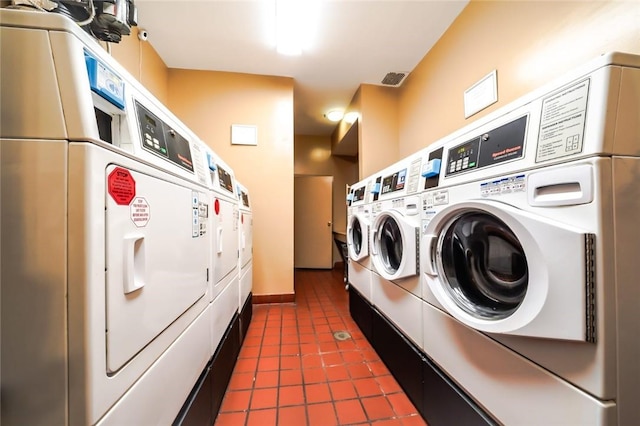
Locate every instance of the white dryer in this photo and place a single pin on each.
(527, 253)
(395, 280)
(245, 259)
(105, 291)
(358, 236)
(224, 242)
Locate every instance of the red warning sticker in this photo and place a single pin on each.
(121, 186)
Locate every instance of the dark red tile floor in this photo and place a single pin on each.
(292, 371)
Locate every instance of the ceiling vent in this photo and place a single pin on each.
(394, 79)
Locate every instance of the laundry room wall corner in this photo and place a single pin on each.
(144, 63)
(209, 102)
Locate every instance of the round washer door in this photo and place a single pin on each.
(394, 242)
(483, 265)
(500, 269)
(358, 237)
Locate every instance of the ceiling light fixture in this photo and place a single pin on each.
(334, 115)
(296, 22)
(351, 117)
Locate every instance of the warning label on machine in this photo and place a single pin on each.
(562, 122)
(140, 212)
(121, 186)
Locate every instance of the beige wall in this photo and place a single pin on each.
(378, 129)
(528, 42)
(144, 63)
(209, 103)
(313, 157)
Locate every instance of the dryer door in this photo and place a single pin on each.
(358, 237)
(156, 259)
(503, 270)
(225, 241)
(394, 243)
(246, 237)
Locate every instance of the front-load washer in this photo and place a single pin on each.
(358, 236)
(224, 242)
(527, 253)
(104, 263)
(245, 259)
(395, 278)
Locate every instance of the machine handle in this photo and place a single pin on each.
(429, 267)
(134, 263)
(374, 246)
(568, 186)
(219, 239)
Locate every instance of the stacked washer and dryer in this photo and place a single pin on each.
(528, 242)
(109, 234)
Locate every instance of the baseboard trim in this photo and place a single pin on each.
(261, 299)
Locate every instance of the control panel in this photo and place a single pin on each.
(162, 140)
(501, 144)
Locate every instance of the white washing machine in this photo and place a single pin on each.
(105, 288)
(358, 236)
(224, 242)
(245, 243)
(395, 235)
(529, 244)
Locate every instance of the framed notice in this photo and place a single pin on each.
(481, 94)
(242, 134)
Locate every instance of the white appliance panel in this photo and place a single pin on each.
(400, 306)
(223, 308)
(360, 278)
(246, 237)
(246, 283)
(156, 264)
(537, 302)
(224, 239)
(509, 386)
(175, 366)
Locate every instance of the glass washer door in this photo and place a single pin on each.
(483, 264)
(357, 238)
(391, 247)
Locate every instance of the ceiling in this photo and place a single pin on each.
(355, 42)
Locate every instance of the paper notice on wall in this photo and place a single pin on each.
(562, 122)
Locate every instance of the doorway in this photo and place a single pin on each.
(313, 223)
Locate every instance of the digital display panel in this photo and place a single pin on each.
(394, 182)
(358, 194)
(225, 179)
(463, 157)
(245, 199)
(162, 140)
(498, 145)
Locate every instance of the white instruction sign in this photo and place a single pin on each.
(140, 212)
(562, 122)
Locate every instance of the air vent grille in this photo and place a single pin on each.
(394, 78)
